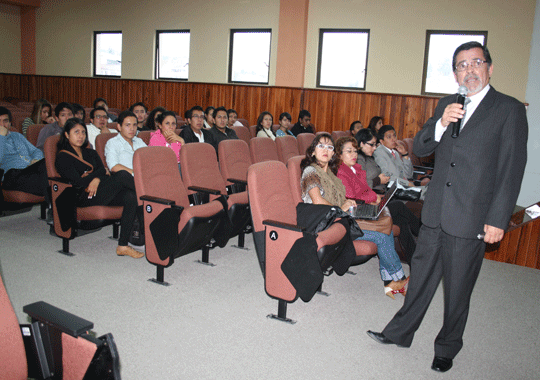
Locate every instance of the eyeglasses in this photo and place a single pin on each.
(474, 64)
(101, 116)
(373, 145)
(350, 151)
(197, 117)
(328, 147)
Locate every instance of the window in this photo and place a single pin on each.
(438, 75)
(172, 54)
(108, 54)
(343, 58)
(249, 57)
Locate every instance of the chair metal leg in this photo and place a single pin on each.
(44, 206)
(205, 257)
(116, 228)
(282, 313)
(65, 248)
(241, 241)
(320, 291)
(160, 275)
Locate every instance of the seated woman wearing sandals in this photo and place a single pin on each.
(165, 134)
(408, 223)
(82, 166)
(264, 125)
(320, 186)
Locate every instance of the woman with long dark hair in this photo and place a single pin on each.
(83, 167)
(320, 186)
(264, 125)
(41, 114)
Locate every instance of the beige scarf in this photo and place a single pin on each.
(334, 191)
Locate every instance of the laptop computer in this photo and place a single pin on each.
(372, 212)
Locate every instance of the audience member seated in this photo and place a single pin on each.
(41, 114)
(375, 124)
(303, 125)
(354, 179)
(100, 102)
(187, 118)
(82, 166)
(120, 149)
(320, 186)
(141, 112)
(78, 111)
(393, 158)
(367, 143)
(233, 119)
(151, 120)
(284, 124)
(209, 117)
(264, 125)
(165, 134)
(196, 132)
(23, 164)
(220, 131)
(98, 120)
(355, 127)
(63, 112)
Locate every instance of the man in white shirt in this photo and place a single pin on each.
(99, 120)
(120, 149)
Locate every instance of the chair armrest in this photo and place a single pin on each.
(162, 201)
(58, 318)
(238, 181)
(204, 190)
(286, 226)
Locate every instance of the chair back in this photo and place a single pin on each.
(270, 194)
(242, 133)
(144, 136)
(32, 133)
(253, 131)
(409, 145)
(49, 151)
(101, 141)
(304, 140)
(287, 147)
(234, 160)
(337, 134)
(244, 122)
(295, 175)
(263, 149)
(200, 167)
(156, 174)
(12, 352)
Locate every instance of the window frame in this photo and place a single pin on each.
(319, 57)
(231, 50)
(156, 67)
(94, 61)
(431, 32)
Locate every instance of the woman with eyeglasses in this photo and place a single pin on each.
(321, 186)
(408, 223)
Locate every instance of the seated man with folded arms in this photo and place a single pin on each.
(141, 112)
(393, 158)
(62, 113)
(303, 125)
(220, 131)
(119, 150)
(100, 102)
(98, 119)
(23, 164)
(195, 132)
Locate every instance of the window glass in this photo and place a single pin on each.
(249, 60)
(172, 54)
(108, 54)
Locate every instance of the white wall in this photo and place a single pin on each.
(530, 189)
(10, 39)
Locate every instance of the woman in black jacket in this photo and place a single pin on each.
(83, 167)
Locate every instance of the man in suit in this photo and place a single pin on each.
(393, 158)
(470, 199)
(195, 131)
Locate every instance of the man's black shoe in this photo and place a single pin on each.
(380, 338)
(441, 364)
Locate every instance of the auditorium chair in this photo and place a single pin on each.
(173, 228)
(201, 175)
(15, 200)
(234, 161)
(421, 174)
(293, 262)
(244, 122)
(263, 149)
(337, 134)
(242, 133)
(55, 345)
(32, 133)
(287, 147)
(68, 218)
(304, 140)
(27, 106)
(365, 250)
(253, 131)
(144, 136)
(101, 141)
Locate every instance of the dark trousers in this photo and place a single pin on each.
(117, 190)
(456, 260)
(32, 179)
(409, 225)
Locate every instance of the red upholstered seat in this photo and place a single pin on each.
(263, 149)
(304, 140)
(287, 147)
(234, 161)
(242, 133)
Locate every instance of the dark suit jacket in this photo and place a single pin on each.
(477, 176)
(189, 136)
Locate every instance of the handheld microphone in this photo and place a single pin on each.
(462, 93)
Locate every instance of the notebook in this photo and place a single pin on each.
(372, 212)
